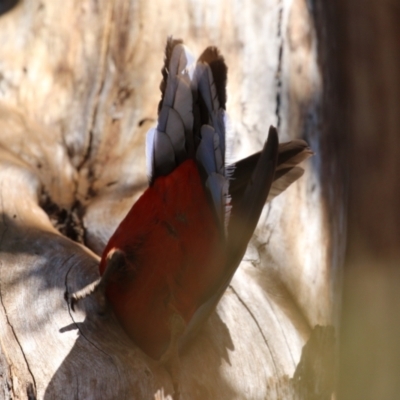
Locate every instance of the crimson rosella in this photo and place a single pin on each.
(170, 260)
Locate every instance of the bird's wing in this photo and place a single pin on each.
(191, 121)
(241, 226)
(169, 143)
(209, 88)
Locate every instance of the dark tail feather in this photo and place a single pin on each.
(210, 77)
(290, 154)
(215, 60)
(241, 227)
(247, 208)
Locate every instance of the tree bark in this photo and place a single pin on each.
(78, 90)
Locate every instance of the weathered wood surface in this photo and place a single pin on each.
(78, 90)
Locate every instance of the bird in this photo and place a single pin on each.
(170, 260)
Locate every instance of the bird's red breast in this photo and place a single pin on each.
(174, 256)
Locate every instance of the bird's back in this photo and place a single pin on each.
(174, 257)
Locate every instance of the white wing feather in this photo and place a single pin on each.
(166, 146)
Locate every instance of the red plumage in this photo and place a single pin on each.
(174, 257)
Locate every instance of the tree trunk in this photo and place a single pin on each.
(78, 90)
(367, 106)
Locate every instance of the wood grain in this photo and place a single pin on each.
(78, 90)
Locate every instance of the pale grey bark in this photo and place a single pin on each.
(78, 90)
